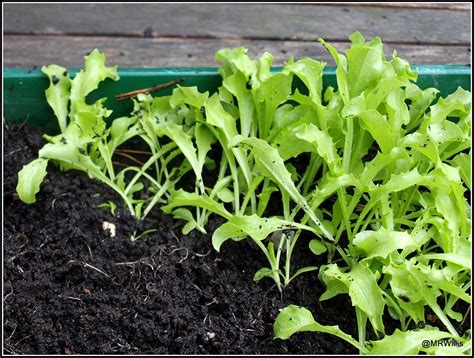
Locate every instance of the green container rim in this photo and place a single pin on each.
(213, 71)
(24, 99)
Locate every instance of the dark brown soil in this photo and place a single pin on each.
(71, 288)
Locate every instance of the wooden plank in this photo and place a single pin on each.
(411, 5)
(249, 21)
(28, 51)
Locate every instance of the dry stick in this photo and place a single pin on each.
(466, 314)
(120, 164)
(133, 151)
(133, 159)
(85, 264)
(128, 95)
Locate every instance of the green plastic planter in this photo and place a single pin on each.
(24, 97)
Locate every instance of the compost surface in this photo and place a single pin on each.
(69, 287)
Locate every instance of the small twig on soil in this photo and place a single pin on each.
(179, 249)
(132, 94)
(54, 200)
(11, 335)
(203, 255)
(11, 351)
(133, 151)
(85, 264)
(130, 263)
(214, 300)
(90, 251)
(120, 164)
(140, 261)
(132, 158)
(21, 340)
(17, 150)
(196, 286)
(42, 244)
(463, 320)
(174, 235)
(95, 268)
(184, 258)
(71, 298)
(206, 318)
(11, 287)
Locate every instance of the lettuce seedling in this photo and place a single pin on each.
(85, 143)
(382, 192)
(398, 209)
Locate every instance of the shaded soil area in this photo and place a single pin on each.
(69, 287)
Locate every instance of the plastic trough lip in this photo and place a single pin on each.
(24, 98)
(214, 71)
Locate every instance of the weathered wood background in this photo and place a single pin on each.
(188, 35)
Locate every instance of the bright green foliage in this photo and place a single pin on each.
(409, 199)
(30, 179)
(381, 192)
(293, 319)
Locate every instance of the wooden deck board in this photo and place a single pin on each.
(28, 51)
(250, 21)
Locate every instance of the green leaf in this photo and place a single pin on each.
(463, 162)
(420, 102)
(187, 216)
(87, 80)
(317, 247)
(218, 117)
(182, 198)
(188, 95)
(91, 125)
(274, 91)
(397, 110)
(303, 270)
(30, 179)
(323, 146)
(226, 195)
(136, 237)
(293, 319)
(261, 273)
(239, 227)
(412, 342)
(71, 155)
(445, 131)
(184, 141)
(58, 92)
(311, 73)
(288, 143)
(383, 242)
(236, 60)
(341, 72)
(272, 166)
(365, 62)
(204, 140)
(329, 185)
(399, 182)
(362, 287)
(237, 84)
(381, 160)
(109, 205)
(456, 104)
(462, 258)
(416, 285)
(379, 129)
